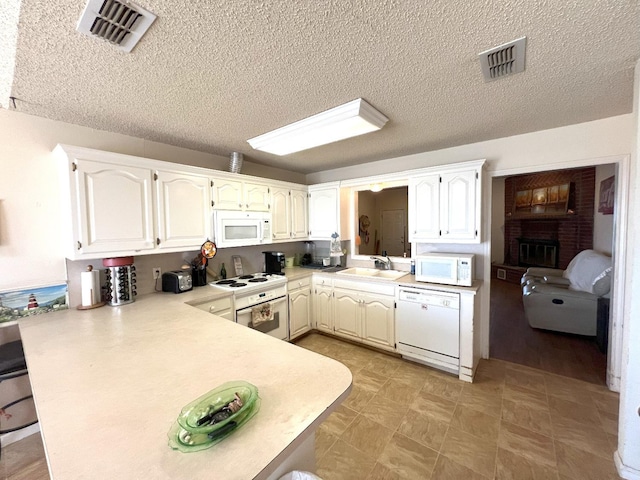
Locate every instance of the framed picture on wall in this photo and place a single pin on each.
(607, 196)
(539, 196)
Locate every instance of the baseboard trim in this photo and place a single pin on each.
(12, 437)
(624, 471)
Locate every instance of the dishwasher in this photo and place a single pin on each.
(428, 327)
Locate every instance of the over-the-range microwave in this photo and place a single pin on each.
(445, 268)
(238, 229)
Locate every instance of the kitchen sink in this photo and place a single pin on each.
(373, 273)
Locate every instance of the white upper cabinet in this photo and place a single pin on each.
(444, 207)
(328, 211)
(183, 209)
(113, 207)
(424, 207)
(240, 195)
(288, 214)
(120, 205)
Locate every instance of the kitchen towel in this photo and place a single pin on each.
(261, 313)
(90, 286)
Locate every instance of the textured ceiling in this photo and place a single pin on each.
(209, 75)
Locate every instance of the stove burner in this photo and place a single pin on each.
(237, 284)
(259, 279)
(225, 282)
(244, 277)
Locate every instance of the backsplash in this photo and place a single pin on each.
(252, 261)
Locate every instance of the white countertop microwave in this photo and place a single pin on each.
(445, 268)
(239, 229)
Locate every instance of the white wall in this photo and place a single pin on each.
(30, 243)
(602, 224)
(600, 138)
(628, 453)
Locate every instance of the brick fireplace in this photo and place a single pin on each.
(548, 239)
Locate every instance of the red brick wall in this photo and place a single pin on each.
(574, 231)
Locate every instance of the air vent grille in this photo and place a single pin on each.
(120, 23)
(504, 60)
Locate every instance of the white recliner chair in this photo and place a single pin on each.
(567, 300)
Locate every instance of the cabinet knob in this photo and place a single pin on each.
(247, 205)
(274, 235)
(239, 205)
(212, 308)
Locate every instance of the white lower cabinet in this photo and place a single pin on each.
(364, 312)
(323, 304)
(299, 307)
(221, 307)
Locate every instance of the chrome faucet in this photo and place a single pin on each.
(382, 262)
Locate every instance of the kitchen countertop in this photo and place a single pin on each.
(108, 384)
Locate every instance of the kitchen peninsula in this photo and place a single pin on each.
(108, 384)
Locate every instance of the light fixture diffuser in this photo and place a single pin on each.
(345, 121)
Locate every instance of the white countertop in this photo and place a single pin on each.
(108, 384)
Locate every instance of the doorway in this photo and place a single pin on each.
(510, 336)
(394, 229)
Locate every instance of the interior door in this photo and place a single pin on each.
(393, 232)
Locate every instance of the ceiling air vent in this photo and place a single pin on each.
(121, 23)
(504, 60)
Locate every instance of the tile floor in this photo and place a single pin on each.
(406, 421)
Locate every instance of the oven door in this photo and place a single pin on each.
(277, 326)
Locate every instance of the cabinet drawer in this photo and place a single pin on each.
(216, 306)
(299, 283)
(380, 288)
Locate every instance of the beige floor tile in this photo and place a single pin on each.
(482, 401)
(324, 441)
(412, 374)
(510, 466)
(380, 472)
(385, 411)
(526, 397)
(369, 380)
(568, 389)
(409, 458)
(434, 406)
(358, 398)
(367, 436)
(606, 401)
(447, 469)
(470, 451)
(344, 462)
(590, 438)
(586, 413)
(339, 420)
(538, 420)
(384, 365)
(525, 378)
(581, 465)
(526, 443)
(399, 392)
(476, 423)
(486, 384)
(423, 429)
(492, 368)
(444, 387)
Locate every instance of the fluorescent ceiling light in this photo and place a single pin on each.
(349, 120)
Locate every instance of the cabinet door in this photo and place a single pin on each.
(323, 213)
(323, 308)
(458, 206)
(227, 195)
(348, 309)
(115, 211)
(299, 214)
(281, 214)
(378, 320)
(299, 312)
(183, 210)
(256, 197)
(424, 208)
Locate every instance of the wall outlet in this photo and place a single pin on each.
(156, 273)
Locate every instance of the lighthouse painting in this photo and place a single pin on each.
(16, 304)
